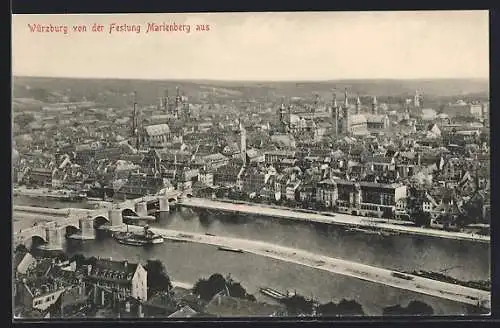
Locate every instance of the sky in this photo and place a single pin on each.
(259, 46)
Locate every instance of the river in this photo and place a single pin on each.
(188, 262)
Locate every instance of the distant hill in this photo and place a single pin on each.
(118, 91)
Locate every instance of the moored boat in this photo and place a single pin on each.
(273, 293)
(401, 276)
(137, 239)
(230, 249)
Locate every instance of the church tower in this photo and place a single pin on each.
(243, 143)
(178, 101)
(186, 108)
(335, 112)
(134, 114)
(282, 117)
(166, 100)
(136, 124)
(289, 118)
(374, 106)
(160, 105)
(316, 103)
(416, 99)
(345, 119)
(358, 106)
(406, 115)
(281, 113)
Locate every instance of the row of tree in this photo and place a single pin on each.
(206, 289)
(298, 305)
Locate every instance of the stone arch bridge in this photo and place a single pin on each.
(81, 223)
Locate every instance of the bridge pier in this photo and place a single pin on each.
(87, 228)
(87, 231)
(164, 205)
(54, 237)
(141, 208)
(115, 217)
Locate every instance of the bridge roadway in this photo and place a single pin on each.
(335, 218)
(417, 284)
(81, 219)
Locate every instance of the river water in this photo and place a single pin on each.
(187, 262)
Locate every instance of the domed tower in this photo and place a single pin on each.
(281, 116)
(282, 113)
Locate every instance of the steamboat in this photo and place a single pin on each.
(147, 237)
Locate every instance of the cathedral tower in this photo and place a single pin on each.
(358, 106)
(166, 100)
(335, 112)
(345, 118)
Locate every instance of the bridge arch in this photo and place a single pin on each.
(128, 212)
(34, 241)
(100, 221)
(189, 195)
(71, 229)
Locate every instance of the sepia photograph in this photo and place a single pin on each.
(251, 165)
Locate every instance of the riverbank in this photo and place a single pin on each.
(335, 219)
(48, 193)
(182, 284)
(364, 272)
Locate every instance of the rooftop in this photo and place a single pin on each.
(157, 130)
(185, 312)
(113, 270)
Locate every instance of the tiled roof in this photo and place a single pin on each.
(214, 157)
(185, 312)
(113, 270)
(372, 118)
(157, 130)
(381, 159)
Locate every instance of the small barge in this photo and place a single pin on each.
(401, 276)
(230, 249)
(273, 293)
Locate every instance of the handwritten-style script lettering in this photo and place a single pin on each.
(44, 28)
